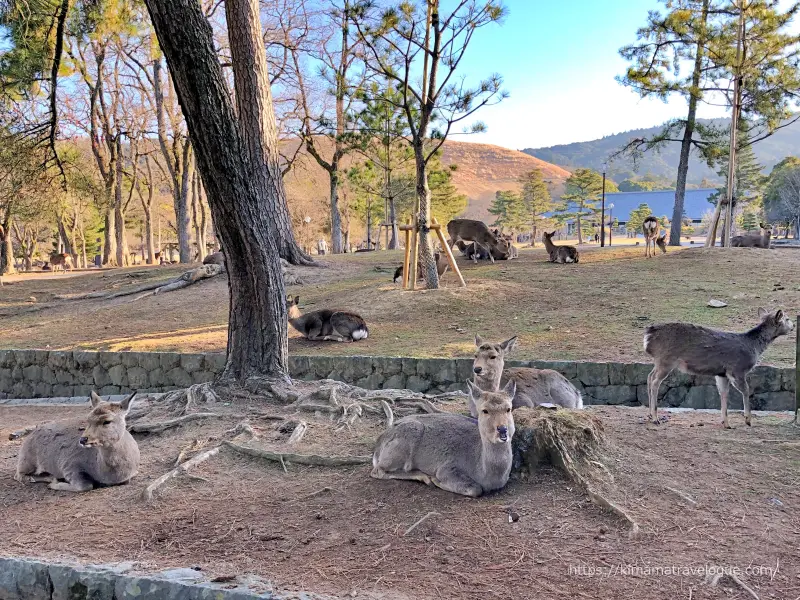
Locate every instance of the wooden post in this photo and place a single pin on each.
(797, 376)
(412, 267)
(448, 252)
(407, 232)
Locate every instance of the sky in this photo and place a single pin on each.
(558, 59)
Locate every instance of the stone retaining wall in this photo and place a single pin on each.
(43, 373)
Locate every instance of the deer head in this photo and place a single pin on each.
(106, 422)
(661, 242)
(490, 360)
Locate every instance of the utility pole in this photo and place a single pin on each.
(603, 211)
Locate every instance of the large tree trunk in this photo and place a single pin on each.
(183, 215)
(426, 257)
(148, 235)
(394, 241)
(119, 214)
(198, 218)
(110, 238)
(336, 217)
(246, 216)
(6, 247)
(686, 142)
(256, 118)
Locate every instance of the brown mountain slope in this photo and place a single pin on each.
(483, 169)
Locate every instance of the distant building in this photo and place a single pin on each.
(695, 204)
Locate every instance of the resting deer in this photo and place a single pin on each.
(441, 267)
(452, 451)
(700, 351)
(559, 254)
(102, 454)
(753, 240)
(326, 325)
(650, 228)
(469, 230)
(534, 386)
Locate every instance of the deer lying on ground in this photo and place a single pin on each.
(215, 258)
(441, 267)
(650, 228)
(102, 454)
(469, 230)
(62, 260)
(534, 386)
(326, 325)
(451, 451)
(700, 351)
(559, 254)
(753, 240)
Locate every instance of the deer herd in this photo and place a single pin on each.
(465, 454)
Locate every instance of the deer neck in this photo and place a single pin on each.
(548, 244)
(486, 384)
(294, 313)
(122, 457)
(761, 336)
(496, 459)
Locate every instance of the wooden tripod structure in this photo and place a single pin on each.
(412, 253)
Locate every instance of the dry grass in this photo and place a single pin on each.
(595, 310)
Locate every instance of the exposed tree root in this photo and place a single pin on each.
(298, 433)
(185, 280)
(170, 423)
(721, 572)
(300, 459)
(420, 522)
(147, 493)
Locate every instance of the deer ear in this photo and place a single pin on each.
(473, 390)
(510, 388)
(125, 405)
(95, 399)
(478, 341)
(509, 344)
(762, 312)
(779, 315)
(297, 299)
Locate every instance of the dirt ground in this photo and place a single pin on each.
(595, 310)
(703, 496)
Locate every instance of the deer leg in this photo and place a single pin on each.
(657, 375)
(407, 475)
(740, 383)
(723, 386)
(451, 479)
(74, 483)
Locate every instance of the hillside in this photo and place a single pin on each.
(482, 169)
(591, 154)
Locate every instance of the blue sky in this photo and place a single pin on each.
(558, 59)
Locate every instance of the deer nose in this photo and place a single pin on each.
(477, 370)
(83, 441)
(503, 432)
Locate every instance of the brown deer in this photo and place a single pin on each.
(102, 454)
(753, 240)
(559, 254)
(651, 228)
(452, 451)
(326, 325)
(62, 260)
(215, 258)
(441, 267)
(701, 351)
(470, 230)
(534, 386)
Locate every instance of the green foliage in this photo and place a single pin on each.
(537, 200)
(775, 187)
(647, 183)
(446, 201)
(508, 207)
(637, 217)
(584, 190)
(749, 182)
(748, 220)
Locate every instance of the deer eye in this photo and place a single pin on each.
(492, 357)
(486, 412)
(107, 422)
(508, 410)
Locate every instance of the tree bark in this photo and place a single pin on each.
(183, 214)
(119, 211)
(256, 117)
(686, 142)
(6, 247)
(246, 216)
(426, 257)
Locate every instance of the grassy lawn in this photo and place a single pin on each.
(595, 310)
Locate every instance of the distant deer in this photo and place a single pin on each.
(469, 230)
(753, 240)
(650, 228)
(534, 386)
(559, 254)
(441, 267)
(215, 258)
(102, 454)
(62, 260)
(451, 451)
(700, 351)
(326, 325)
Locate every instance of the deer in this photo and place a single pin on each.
(470, 230)
(559, 254)
(326, 325)
(650, 228)
(697, 350)
(453, 452)
(215, 258)
(441, 267)
(60, 259)
(103, 454)
(535, 387)
(753, 240)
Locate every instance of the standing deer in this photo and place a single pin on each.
(326, 325)
(102, 454)
(534, 386)
(469, 230)
(60, 259)
(452, 451)
(701, 351)
(650, 228)
(559, 254)
(753, 240)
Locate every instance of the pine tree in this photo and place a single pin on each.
(636, 218)
(537, 200)
(509, 209)
(749, 182)
(584, 189)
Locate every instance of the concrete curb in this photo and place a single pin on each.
(31, 579)
(71, 400)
